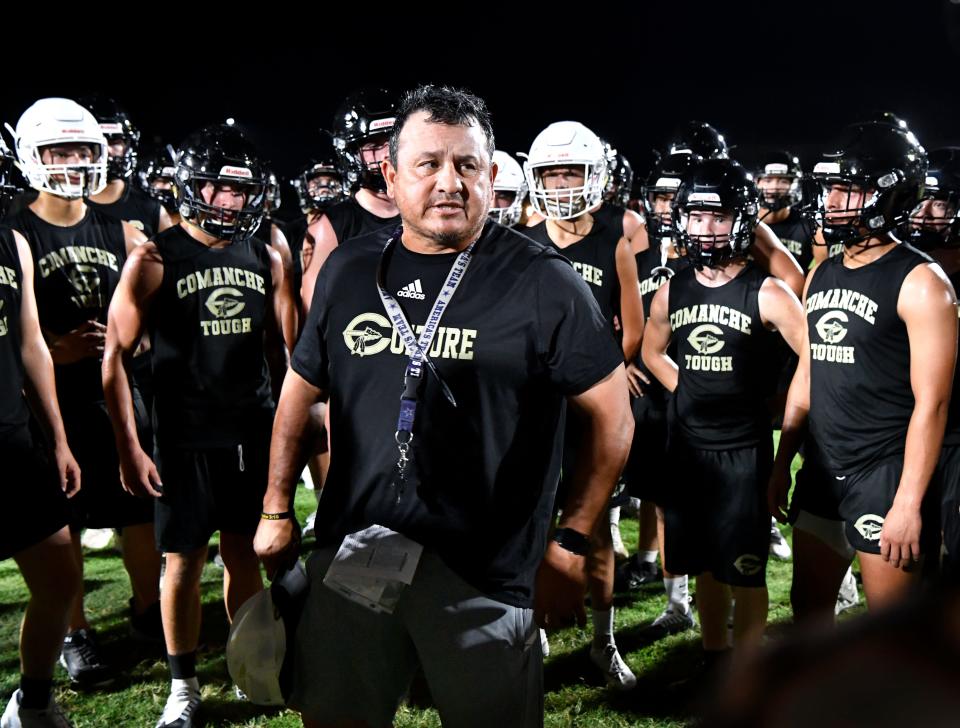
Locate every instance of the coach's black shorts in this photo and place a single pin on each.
(102, 502)
(865, 497)
(209, 490)
(646, 472)
(717, 519)
(34, 505)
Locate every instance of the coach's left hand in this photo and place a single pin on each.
(561, 585)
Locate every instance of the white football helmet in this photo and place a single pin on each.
(57, 121)
(509, 179)
(566, 143)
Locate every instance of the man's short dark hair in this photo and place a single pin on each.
(444, 105)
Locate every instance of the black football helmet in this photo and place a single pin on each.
(273, 198)
(220, 153)
(697, 137)
(364, 115)
(884, 161)
(315, 193)
(929, 231)
(784, 164)
(8, 177)
(664, 179)
(115, 125)
(155, 168)
(619, 179)
(716, 185)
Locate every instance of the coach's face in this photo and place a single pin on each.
(443, 181)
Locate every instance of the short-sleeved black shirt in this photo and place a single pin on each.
(521, 332)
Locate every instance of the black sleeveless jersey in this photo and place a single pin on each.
(135, 207)
(952, 434)
(860, 395)
(76, 270)
(796, 234)
(721, 353)
(207, 326)
(611, 216)
(349, 220)
(594, 257)
(13, 407)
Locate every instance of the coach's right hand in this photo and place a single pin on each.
(276, 544)
(777, 490)
(138, 473)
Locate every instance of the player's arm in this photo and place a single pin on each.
(773, 257)
(781, 311)
(605, 412)
(631, 305)
(656, 339)
(324, 241)
(794, 426)
(640, 240)
(288, 317)
(139, 282)
(38, 366)
(132, 237)
(163, 220)
(633, 228)
(274, 333)
(928, 307)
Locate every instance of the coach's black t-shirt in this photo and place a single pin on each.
(135, 207)
(796, 234)
(13, 407)
(952, 434)
(521, 332)
(722, 348)
(76, 270)
(861, 400)
(349, 219)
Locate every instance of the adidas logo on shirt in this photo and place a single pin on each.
(412, 290)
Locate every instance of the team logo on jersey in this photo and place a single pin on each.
(225, 303)
(869, 526)
(85, 280)
(412, 290)
(748, 564)
(706, 339)
(362, 338)
(831, 327)
(137, 224)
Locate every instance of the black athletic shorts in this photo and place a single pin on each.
(209, 490)
(815, 491)
(864, 498)
(34, 505)
(646, 472)
(716, 519)
(102, 502)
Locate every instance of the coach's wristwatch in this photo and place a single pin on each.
(573, 541)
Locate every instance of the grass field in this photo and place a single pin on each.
(575, 694)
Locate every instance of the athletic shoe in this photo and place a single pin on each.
(634, 574)
(778, 544)
(218, 559)
(307, 477)
(619, 550)
(81, 658)
(147, 627)
(239, 693)
(615, 671)
(544, 643)
(849, 596)
(308, 525)
(17, 717)
(182, 705)
(671, 621)
(97, 539)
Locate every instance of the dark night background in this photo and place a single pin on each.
(766, 74)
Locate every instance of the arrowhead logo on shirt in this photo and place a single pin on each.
(225, 302)
(831, 327)
(364, 340)
(748, 564)
(706, 339)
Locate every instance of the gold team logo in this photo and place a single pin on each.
(748, 564)
(137, 224)
(831, 327)
(706, 339)
(363, 339)
(85, 280)
(225, 303)
(869, 526)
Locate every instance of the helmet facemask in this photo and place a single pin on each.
(711, 250)
(71, 181)
(934, 223)
(221, 222)
(565, 203)
(774, 200)
(851, 222)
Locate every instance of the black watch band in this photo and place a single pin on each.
(573, 541)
